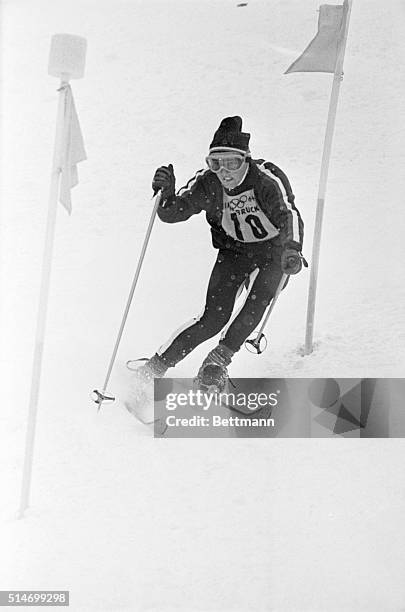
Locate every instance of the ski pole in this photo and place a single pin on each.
(260, 335)
(100, 396)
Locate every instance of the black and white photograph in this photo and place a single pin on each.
(201, 238)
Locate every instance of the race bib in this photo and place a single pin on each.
(244, 220)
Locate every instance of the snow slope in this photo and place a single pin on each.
(127, 522)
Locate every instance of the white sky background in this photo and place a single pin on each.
(309, 521)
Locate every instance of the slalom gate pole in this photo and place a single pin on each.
(66, 61)
(327, 148)
(100, 396)
(43, 304)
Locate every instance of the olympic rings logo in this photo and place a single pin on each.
(241, 201)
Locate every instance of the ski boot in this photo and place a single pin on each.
(139, 400)
(212, 376)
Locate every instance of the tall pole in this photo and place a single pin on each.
(43, 302)
(66, 61)
(327, 148)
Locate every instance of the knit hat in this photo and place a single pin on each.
(229, 135)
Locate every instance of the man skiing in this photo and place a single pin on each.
(258, 232)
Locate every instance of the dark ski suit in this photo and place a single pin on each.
(250, 226)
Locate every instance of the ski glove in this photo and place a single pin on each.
(165, 181)
(291, 261)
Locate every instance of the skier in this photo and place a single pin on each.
(258, 232)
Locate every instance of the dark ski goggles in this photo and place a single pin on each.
(232, 163)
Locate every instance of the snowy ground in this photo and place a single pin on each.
(127, 522)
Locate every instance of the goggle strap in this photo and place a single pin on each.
(217, 149)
